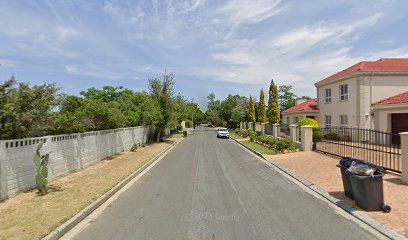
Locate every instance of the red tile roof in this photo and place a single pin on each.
(400, 98)
(383, 64)
(309, 105)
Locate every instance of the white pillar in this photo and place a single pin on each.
(306, 138)
(404, 156)
(293, 132)
(275, 130)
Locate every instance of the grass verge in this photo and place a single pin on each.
(235, 136)
(261, 149)
(30, 216)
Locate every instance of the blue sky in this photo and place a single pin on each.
(224, 47)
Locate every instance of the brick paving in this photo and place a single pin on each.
(321, 170)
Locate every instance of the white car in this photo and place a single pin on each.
(223, 133)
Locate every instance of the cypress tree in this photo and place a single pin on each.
(273, 113)
(262, 110)
(251, 113)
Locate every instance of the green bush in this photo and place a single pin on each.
(277, 144)
(188, 123)
(308, 122)
(285, 144)
(259, 133)
(247, 133)
(317, 134)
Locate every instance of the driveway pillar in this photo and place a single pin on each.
(293, 132)
(275, 130)
(306, 138)
(404, 156)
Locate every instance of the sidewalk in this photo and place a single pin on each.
(321, 170)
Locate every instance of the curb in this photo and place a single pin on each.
(380, 228)
(72, 222)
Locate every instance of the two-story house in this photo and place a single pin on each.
(347, 97)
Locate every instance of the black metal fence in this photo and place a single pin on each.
(380, 148)
(298, 134)
(284, 129)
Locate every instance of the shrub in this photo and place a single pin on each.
(41, 166)
(188, 123)
(259, 133)
(308, 122)
(285, 144)
(332, 136)
(347, 138)
(317, 134)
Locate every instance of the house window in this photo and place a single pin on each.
(344, 92)
(327, 95)
(296, 119)
(288, 120)
(343, 120)
(328, 121)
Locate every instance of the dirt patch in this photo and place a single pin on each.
(321, 170)
(31, 216)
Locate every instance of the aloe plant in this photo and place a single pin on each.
(41, 164)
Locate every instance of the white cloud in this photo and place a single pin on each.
(96, 73)
(243, 11)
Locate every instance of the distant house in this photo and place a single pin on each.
(303, 109)
(348, 97)
(391, 114)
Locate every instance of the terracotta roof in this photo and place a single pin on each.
(383, 64)
(309, 105)
(400, 98)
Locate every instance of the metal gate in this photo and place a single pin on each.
(380, 148)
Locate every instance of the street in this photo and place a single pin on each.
(209, 188)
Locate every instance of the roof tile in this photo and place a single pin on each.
(309, 105)
(383, 64)
(400, 98)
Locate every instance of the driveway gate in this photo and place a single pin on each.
(380, 148)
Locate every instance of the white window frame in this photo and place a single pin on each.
(343, 93)
(327, 95)
(328, 125)
(343, 120)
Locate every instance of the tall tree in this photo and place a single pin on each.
(261, 107)
(252, 117)
(286, 97)
(161, 90)
(273, 113)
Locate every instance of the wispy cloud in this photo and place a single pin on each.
(238, 44)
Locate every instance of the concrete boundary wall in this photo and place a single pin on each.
(68, 153)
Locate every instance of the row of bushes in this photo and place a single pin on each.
(279, 145)
(247, 132)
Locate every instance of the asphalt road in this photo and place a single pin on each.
(209, 188)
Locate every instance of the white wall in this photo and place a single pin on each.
(68, 153)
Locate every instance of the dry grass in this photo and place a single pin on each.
(30, 216)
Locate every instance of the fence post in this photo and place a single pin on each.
(275, 130)
(293, 132)
(241, 125)
(306, 138)
(3, 174)
(404, 156)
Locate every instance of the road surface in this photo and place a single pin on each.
(209, 188)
